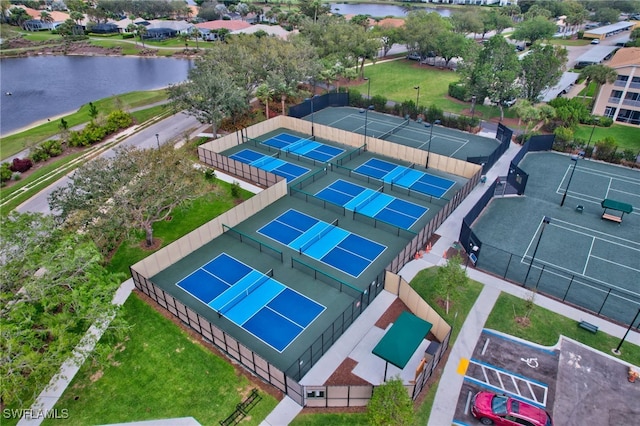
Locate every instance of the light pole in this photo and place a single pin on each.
(574, 158)
(545, 221)
(417, 101)
(312, 128)
(366, 111)
(595, 123)
(158, 139)
(473, 106)
(617, 350)
(426, 166)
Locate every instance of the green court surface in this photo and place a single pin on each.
(287, 268)
(590, 261)
(441, 140)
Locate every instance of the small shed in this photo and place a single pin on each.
(401, 341)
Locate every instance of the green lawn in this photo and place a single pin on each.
(546, 327)
(395, 80)
(183, 220)
(158, 372)
(16, 142)
(626, 137)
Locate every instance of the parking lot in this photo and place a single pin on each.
(574, 383)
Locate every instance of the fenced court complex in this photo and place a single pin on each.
(573, 251)
(277, 280)
(438, 139)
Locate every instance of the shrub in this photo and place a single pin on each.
(606, 149)
(356, 99)
(235, 189)
(605, 122)
(39, 154)
(563, 134)
(379, 103)
(21, 165)
(629, 155)
(5, 172)
(459, 91)
(434, 113)
(46, 150)
(117, 120)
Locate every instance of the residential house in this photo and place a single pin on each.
(621, 100)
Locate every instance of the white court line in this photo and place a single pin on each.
(593, 231)
(608, 188)
(621, 265)
(584, 270)
(600, 173)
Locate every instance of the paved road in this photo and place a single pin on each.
(169, 129)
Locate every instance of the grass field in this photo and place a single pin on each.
(546, 327)
(395, 80)
(626, 137)
(157, 372)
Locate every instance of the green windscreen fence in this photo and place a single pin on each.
(402, 339)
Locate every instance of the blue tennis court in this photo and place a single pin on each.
(405, 177)
(372, 203)
(270, 164)
(271, 311)
(305, 147)
(336, 247)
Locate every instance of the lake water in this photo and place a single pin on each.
(379, 10)
(45, 86)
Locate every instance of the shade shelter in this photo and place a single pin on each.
(401, 340)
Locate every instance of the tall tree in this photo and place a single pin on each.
(54, 288)
(453, 45)
(607, 15)
(264, 93)
(136, 188)
(542, 68)
(390, 404)
(532, 30)
(314, 8)
(142, 31)
(466, 22)
(211, 92)
(450, 279)
(598, 73)
(421, 30)
(388, 36)
(495, 72)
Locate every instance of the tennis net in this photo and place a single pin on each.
(394, 130)
(298, 144)
(402, 173)
(266, 159)
(246, 292)
(370, 198)
(318, 236)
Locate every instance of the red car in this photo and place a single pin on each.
(502, 410)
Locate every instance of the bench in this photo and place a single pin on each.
(588, 326)
(242, 409)
(612, 217)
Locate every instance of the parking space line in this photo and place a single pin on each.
(462, 366)
(516, 379)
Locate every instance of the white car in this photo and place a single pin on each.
(595, 41)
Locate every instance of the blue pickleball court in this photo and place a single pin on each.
(372, 203)
(405, 177)
(271, 164)
(326, 242)
(304, 147)
(266, 308)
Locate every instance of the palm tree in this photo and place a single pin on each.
(264, 93)
(599, 74)
(195, 33)
(142, 30)
(46, 17)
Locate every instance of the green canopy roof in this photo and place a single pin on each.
(608, 203)
(402, 339)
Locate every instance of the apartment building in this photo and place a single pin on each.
(621, 100)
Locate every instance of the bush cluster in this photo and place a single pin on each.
(95, 132)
